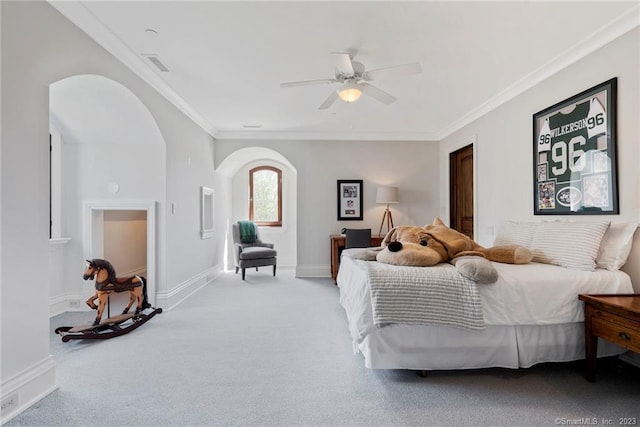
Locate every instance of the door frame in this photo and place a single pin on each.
(93, 240)
(445, 178)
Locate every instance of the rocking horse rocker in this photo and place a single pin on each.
(107, 282)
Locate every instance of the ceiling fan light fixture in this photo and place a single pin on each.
(350, 92)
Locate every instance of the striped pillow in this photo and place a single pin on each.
(516, 233)
(568, 244)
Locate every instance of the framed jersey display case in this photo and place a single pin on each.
(574, 154)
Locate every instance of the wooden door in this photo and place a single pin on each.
(461, 190)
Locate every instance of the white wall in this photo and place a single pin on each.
(412, 166)
(39, 47)
(504, 138)
(189, 166)
(89, 169)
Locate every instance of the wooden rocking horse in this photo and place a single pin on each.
(107, 282)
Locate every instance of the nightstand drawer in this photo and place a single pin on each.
(621, 331)
(613, 317)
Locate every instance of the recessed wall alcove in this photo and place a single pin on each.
(97, 215)
(111, 159)
(235, 167)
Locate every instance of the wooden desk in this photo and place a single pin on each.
(615, 318)
(337, 245)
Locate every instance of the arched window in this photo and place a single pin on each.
(265, 196)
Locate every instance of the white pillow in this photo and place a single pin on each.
(568, 244)
(516, 233)
(616, 245)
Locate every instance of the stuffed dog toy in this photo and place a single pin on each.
(436, 243)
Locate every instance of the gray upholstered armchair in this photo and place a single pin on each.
(254, 253)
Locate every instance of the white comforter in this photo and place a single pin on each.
(543, 294)
(530, 294)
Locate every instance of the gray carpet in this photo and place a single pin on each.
(276, 352)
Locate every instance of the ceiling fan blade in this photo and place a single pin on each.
(343, 63)
(378, 94)
(329, 101)
(395, 71)
(308, 83)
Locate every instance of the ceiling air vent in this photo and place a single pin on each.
(156, 61)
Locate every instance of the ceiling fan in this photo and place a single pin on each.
(353, 80)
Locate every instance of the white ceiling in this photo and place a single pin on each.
(227, 59)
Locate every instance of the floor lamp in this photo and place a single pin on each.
(387, 195)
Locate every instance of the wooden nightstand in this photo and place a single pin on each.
(337, 245)
(615, 318)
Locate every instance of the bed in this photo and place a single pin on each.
(530, 315)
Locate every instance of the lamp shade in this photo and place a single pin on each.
(638, 192)
(387, 195)
(350, 92)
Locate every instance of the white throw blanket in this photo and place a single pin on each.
(436, 295)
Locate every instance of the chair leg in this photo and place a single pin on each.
(243, 274)
(256, 268)
(236, 270)
(274, 270)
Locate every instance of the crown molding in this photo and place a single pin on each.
(326, 136)
(82, 17)
(601, 37)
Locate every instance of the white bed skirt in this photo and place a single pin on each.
(446, 347)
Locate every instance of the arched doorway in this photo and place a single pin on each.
(108, 155)
(235, 168)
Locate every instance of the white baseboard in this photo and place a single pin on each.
(69, 302)
(170, 299)
(57, 305)
(27, 387)
(631, 358)
(315, 271)
(286, 269)
(167, 300)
